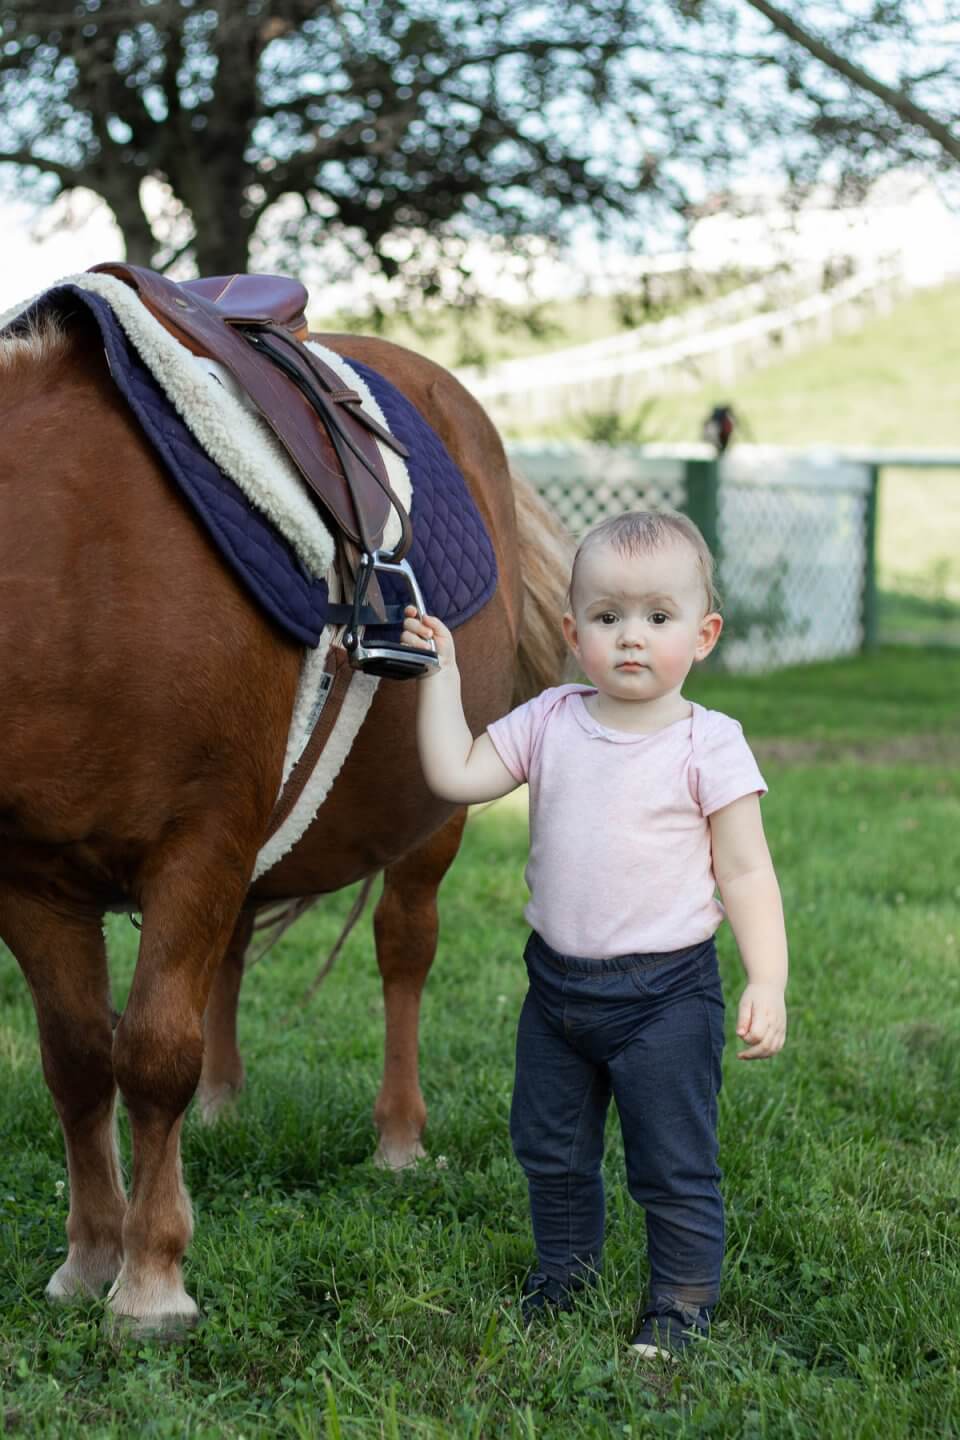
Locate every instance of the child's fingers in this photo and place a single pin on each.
(745, 1019)
(419, 624)
(764, 1042)
(412, 625)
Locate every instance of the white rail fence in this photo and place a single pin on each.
(681, 353)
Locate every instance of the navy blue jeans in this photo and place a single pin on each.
(648, 1031)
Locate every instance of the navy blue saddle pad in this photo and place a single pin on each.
(451, 554)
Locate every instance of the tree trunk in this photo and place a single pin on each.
(124, 200)
(223, 235)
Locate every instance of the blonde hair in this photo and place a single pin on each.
(639, 532)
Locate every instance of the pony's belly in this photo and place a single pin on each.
(337, 851)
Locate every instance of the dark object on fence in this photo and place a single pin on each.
(719, 427)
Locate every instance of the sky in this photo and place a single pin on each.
(32, 264)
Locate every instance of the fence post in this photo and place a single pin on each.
(868, 605)
(702, 481)
(702, 478)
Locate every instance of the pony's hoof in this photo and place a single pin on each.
(159, 1311)
(83, 1278)
(214, 1102)
(398, 1155)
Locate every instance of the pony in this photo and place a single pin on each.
(144, 712)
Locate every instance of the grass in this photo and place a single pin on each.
(918, 542)
(339, 1301)
(923, 619)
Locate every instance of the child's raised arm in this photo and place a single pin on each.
(456, 766)
(751, 897)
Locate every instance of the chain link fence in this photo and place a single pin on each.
(793, 534)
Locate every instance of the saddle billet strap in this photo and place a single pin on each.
(338, 667)
(358, 505)
(343, 615)
(340, 392)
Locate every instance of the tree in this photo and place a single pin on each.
(874, 82)
(374, 125)
(380, 118)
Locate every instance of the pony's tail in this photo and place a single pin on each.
(546, 552)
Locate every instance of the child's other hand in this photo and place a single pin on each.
(419, 630)
(762, 1021)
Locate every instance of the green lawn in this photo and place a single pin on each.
(339, 1301)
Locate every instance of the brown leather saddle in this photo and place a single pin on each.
(255, 325)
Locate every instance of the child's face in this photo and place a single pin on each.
(639, 622)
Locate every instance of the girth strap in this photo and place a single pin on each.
(337, 667)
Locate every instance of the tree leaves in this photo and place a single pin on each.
(355, 124)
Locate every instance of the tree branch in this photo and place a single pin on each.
(68, 175)
(906, 108)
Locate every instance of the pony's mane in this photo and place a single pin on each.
(38, 342)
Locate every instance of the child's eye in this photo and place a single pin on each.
(659, 618)
(608, 617)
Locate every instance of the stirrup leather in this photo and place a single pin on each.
(386, 658)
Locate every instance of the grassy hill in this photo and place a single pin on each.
(895, 382)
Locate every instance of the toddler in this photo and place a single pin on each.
(642, 806)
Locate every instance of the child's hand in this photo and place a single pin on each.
(762, 1021)
(419, 630)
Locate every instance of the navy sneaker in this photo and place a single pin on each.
(668, 1328)
(542, 1293)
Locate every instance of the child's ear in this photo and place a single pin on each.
(708, 634)
(570, 633)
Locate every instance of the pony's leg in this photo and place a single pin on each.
(191, 902)
(222, 1076)
(405, 925)
(65, 963)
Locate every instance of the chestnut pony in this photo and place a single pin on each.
(144, 709)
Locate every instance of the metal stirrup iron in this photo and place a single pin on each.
(387, 658)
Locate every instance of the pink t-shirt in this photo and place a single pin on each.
(620, 859)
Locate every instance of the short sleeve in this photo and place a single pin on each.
(515, 737)
(724, 768)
